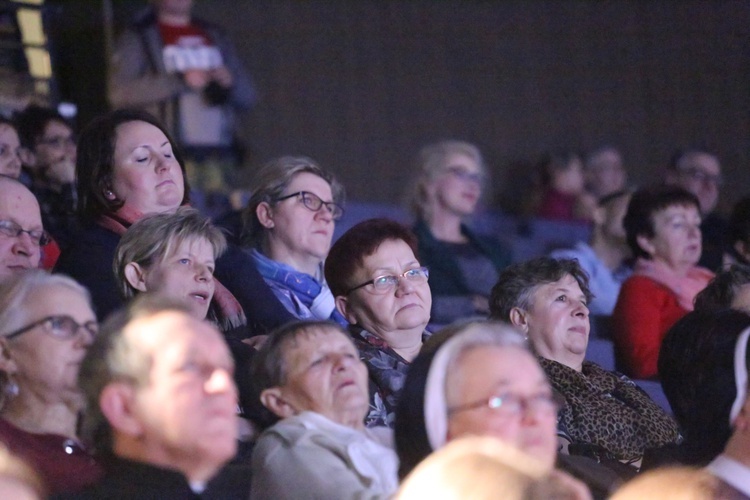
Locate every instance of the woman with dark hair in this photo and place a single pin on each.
(381, 289)
(605, 415)
(128, 167)
(696, 366)
(663, 231)
(463, 264)
(561, 187)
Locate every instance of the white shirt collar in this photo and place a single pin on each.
(732, 472)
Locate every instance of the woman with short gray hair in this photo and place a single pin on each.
(46, 326)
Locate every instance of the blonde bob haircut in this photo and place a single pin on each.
(152, 238)
(432, 162)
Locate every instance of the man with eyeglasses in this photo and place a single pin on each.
(21, 231)
(48, 154)
(699, 172)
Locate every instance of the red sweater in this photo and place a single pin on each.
(644, 312)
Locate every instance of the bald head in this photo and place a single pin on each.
(18, 209)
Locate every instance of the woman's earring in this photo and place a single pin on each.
(11, 388)
(109, 194)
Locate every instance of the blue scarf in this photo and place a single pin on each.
(315, 296)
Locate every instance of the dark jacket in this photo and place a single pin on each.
(126, 479)
(445, 274)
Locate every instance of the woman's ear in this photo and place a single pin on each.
(273, 400)
(136, 276)
(742, 248)
(520, 318)
(645, 243)
(7, 364)
(342, 304)
(264, 213)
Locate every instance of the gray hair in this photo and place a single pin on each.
(14, 295)
(432, 162)
(113, 357)
(269, 365)
(271, 182)
(463, 337)
(153, 237)
(14, 300)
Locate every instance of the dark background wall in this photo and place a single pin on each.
(361, 85)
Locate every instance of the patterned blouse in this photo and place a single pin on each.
(387, 371)
(606, 415)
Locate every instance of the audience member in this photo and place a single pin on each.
(562, 186)
(185, 71)
(46, 326)
(381, 289)
(289, 224)
(463, 265)
(732, 467)
(48, 153)
(605, 414)
(485, 468)
(604, 172)
(172, 255)
(10, 147)
(738, 240)
(311, 381)
(730, 288)
(603, 257)
(21, 233)
(696, 369)
(126, 169)
(663, 230)
(479, 378)
(160, 406)
(699, 172)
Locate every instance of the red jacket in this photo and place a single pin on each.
(644, 312)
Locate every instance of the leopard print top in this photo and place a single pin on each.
(607, 411)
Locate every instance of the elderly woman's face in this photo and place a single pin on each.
(45, 364)
(405, 307)
(458, 187)
(508, 373)
(677, 237)
(146, 175)
(295, 232)
(324, 374)
(557, 323)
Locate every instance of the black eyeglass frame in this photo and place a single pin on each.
(86, 326)
(39, 237)
(336, 210)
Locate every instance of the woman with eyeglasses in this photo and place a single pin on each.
(381, 289)
(479, 378)
(463, 264)
(289, 222)
(46, 326)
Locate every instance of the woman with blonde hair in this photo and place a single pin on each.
(463, 265)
